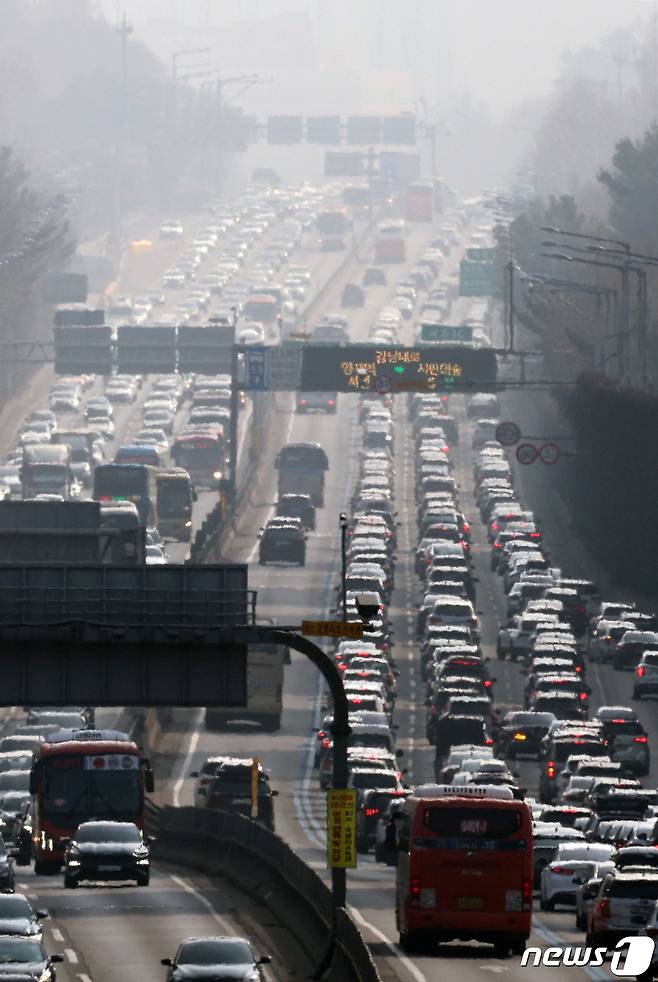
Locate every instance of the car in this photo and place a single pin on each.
(297, 506)
(586, 892)
(171, 229)
(622, 907)
(316, 402)
(570, 866)
(107, 851)
(231, 789)
(18, 918)
(645, 682)
(546, 839)
(27, 960)
(522, 732)
(632, 646)
(6, 868)
(282, 543)
(215, 958)
(353, 296)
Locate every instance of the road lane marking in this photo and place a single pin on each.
(225, 925)
(413, 969)
(83, 977)
(191, 750)
(71, 955)
(57, 934)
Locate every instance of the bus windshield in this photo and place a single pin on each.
(76, 789)
(197, 452)
(122, 481)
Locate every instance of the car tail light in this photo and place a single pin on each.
(488, 683)
(326, 743)
(488, 742)
(640, 671)
(302, 402)
(562, 870)
(603, 907)
(550, 769)
(640, 739)
(526, 894)
(579, 669)
(414, 891)
(331, 402)
(584, 696)
(535, 535)
(372, 811)
(498, 545)
(342, 667)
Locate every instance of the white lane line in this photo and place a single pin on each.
(225, 925)
(57, 934)
(191, 750)
(84, 977)
(413, 969)
(71, 956)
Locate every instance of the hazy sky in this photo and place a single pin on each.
(506, 51)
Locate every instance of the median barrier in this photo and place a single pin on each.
(260, 862)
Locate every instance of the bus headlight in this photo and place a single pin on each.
(217, 475)
(188, 525)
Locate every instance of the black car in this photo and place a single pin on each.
(452, 730)
(370, 807)
(6, 870)
(18, 918)
(26, 959)
(282, 543)
(352, 296)
(521, 734)
(215, 958)
(107, 851)
(297, 506)
(231, 790)
(374, 276)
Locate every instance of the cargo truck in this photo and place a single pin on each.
(301, 469)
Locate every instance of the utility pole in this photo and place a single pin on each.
(125, 30)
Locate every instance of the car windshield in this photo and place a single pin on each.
(633, 889)
(20, 950)
(107, 832)
(14, 906)
(222, 951)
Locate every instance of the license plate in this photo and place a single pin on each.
(109, 869)
(469, 903)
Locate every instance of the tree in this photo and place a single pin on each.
(632, 184)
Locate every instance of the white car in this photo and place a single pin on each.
(171, 230)
(571, 866)
(645, 682)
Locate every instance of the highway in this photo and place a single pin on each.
(112, 933)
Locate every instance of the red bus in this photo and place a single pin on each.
(464, 867)
(419, 202)
(79, 775)
(202, 455)
(389, 242)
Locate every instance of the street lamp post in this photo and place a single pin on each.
(343, 556)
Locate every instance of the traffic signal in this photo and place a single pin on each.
(365, 130)
(141, 350)
(206, 350)
(284, 129)
(399, 129)
(83, 350)
(323, 129)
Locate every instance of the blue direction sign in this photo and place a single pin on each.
(255, 367)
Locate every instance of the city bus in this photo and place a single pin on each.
(137, 454)
(419, 202)
(333, 225)
(79, 775)
(175, 499)
(129, 482)
(202, 455)
(464, 867)
(389, 242)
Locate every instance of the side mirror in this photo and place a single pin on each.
(275, 794)
(194, 774)
(151, 839)
(56, 958)
(399, 754)
(264, 960)
(41, 914)
(165, 961)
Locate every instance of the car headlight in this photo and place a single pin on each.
(217, 475)
(73, 862)
(143, 862)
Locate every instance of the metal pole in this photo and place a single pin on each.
(510, 310)
(233, 420)
(623, 336)
(343, 556)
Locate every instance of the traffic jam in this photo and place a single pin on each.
(534, 805)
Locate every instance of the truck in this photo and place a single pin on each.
(72, 532)
(264, 691)
(46, 469)
(81, 445)
(301, 468)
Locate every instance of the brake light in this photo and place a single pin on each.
(550, 769)
(356, 701)
(414, 891)
(619, 721)
(321, 734)
(579, 669)
(331, 402)
(603, 907)
(640, 739)
(488, 683)
(584, 697)
(342, 667)
(562, 870)
(488, 742)
(498, 545)
(372, 811)
(302, 402)
(526, 894)
(535, 535)
(326, 743)
(641, 671)
(467, 527)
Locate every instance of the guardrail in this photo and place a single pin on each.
(260, 861)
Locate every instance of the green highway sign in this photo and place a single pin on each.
(476, 279)
(459, 333)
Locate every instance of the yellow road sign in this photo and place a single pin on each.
(333, 629)
(341, 828)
